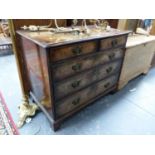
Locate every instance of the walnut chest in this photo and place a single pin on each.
(66, 71)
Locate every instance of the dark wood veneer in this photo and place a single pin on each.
(43, 60)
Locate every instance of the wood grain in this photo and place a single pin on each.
(79, 81)
(74, 66)
(61, 53)
(71, 73)
(70, 103)
(112, 42)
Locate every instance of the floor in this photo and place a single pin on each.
(129, 111)
(5, 45)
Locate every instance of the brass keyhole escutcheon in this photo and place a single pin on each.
(108, 70)
(76, 67)
(114, 43)
(107, 85)
(77, 50)
(112, 56)
(96, 71)
(75, 84)
(76, 101)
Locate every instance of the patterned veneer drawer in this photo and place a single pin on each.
(69, 68)
(79, 81)
(113, 42)
(70, 103)
(64, 52)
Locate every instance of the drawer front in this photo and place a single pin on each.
(113, 42)
(69, 68)
(81, 80)
(64, 52)
(82, 97)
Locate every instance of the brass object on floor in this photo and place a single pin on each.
(26, 109)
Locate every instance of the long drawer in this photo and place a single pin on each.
(69, 68)
(68, 51)
(70, 103)
(79, 81)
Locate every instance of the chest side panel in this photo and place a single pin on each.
(36, 65)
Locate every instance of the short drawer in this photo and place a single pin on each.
(79, 81)
(113, 42)
(68, 51)
(69, 68)
(82, 97)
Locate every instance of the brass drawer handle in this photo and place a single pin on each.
(112, 56)
(76, 84)
(114, 43)
(77, 50)
(107, 85)
(76, 67)
(108, 70)
(76, 101)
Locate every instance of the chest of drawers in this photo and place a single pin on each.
(66, 72)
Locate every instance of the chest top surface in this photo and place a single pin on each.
(50, 39)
